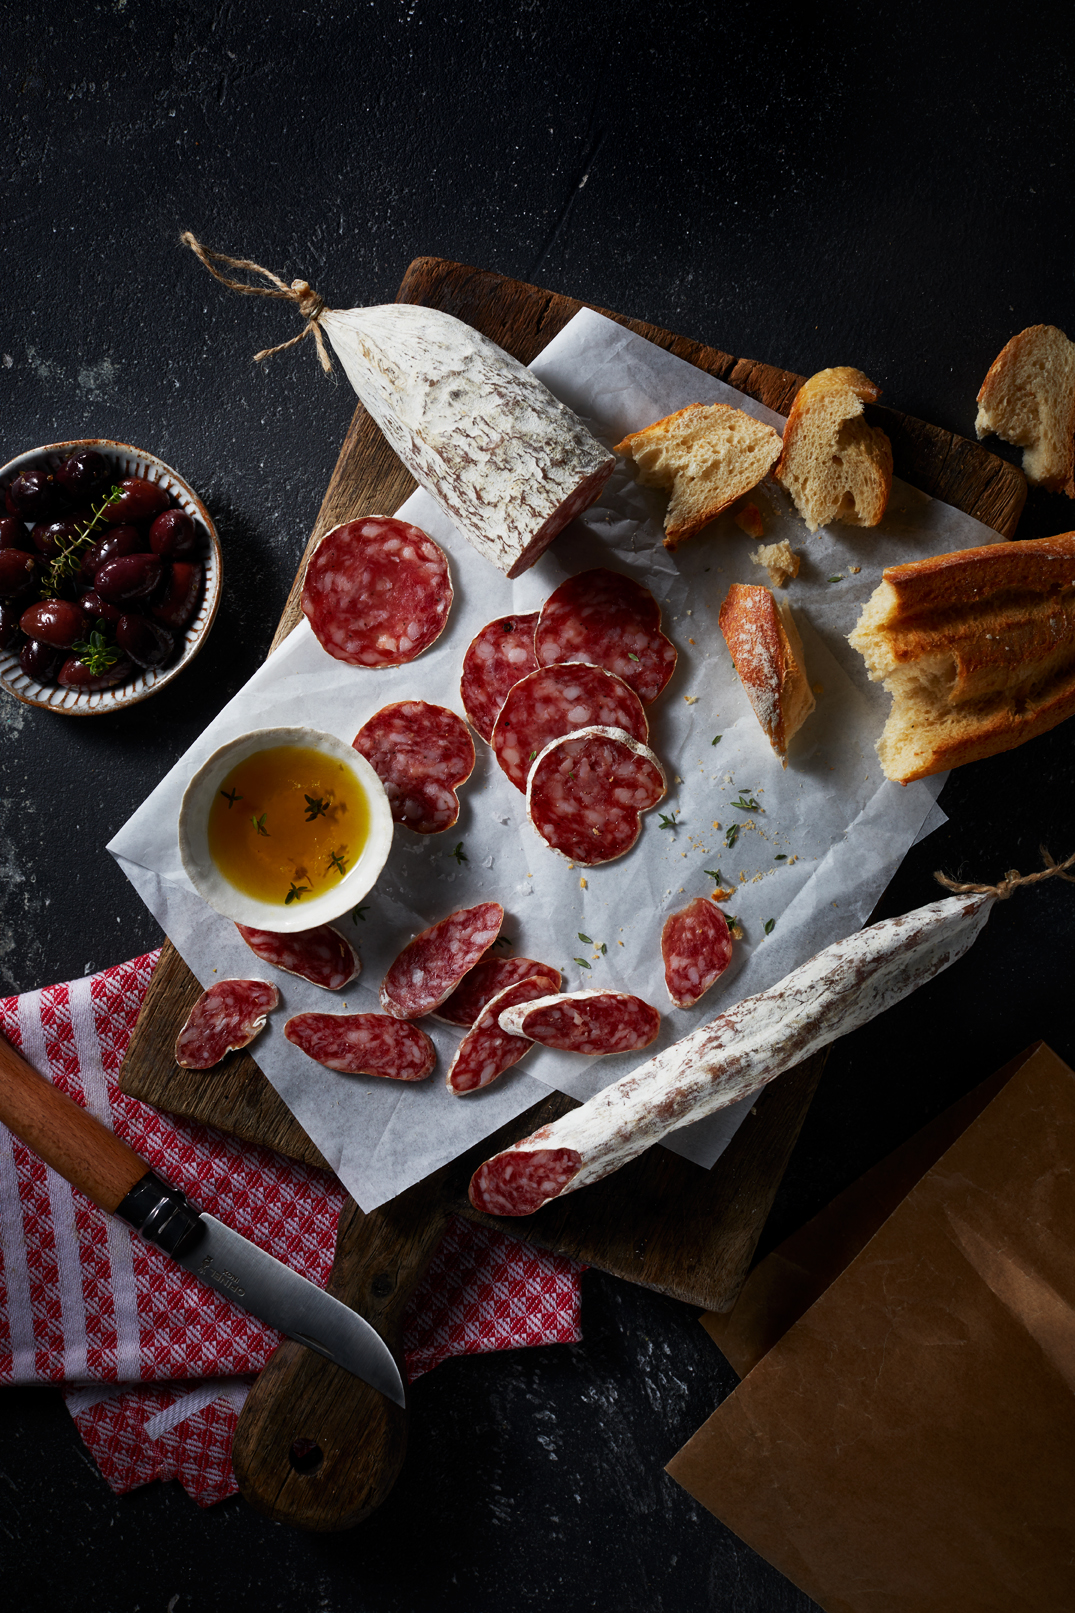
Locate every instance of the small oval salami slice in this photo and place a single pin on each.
(226, 1017)
(696, 945)
(320, 955)
(591, 1022)
(430, 967)
(501, 654)
(519, 1184)
(364, 1044)
(377, 592)
(587, 792)
(557, 700)
(486, 1051)
(421, 754)
(609, 620)
(483, 982)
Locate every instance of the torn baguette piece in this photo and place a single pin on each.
(977, 649)
(764, 642)
(779, 559)
(1028, 399)
(706, 456)
(834, 465)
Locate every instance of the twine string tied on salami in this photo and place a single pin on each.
(310, 305)
(1012, 880)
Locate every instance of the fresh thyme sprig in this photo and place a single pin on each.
(96, 654)
(316, 807)
(67, 561)
(338, 861)
(259, 824)
(295, 893)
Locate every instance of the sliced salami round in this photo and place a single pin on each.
(557, 700)
(591, 1022)
(607, 619)
(364, 1044)
(320, 955)
(421, 754)
(226, 1017)
(502, 653)
(519, 1184)
(486, 1051)
(483, 982)
(587, 792)
(430, 967)
(696, 945)
(377, 592)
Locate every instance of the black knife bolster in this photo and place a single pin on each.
(162, 1214)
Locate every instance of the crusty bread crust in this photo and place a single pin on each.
(834, 465)
(765, 646)
(977, 649)
(1028, 399)
(706, 456)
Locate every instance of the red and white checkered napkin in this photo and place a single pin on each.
(163, 1364)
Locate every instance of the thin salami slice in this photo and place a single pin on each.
(428, 970)
(502, 653)
(519, 1184)
(696, 945)
(486, 1051)
(377, 592)
(611, 621)
(364, 1044)
(227, 1016)
(320, 955)
(483, 982)
(557, 700)
(421, 754)
(591, 1022)
(587, 792)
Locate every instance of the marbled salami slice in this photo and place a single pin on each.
(696, 945)
(607, 619)
(430, 967)
(421, 754)
(484, 981)
(364, 1044)
(486, 1051)
(320, 955)
(591, 1022)
(227, 1016)
(502, 653)
(557, 700)
(377, 592)
(587, 792)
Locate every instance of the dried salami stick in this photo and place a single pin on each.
(734, 1056)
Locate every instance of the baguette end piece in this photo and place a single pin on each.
(764, 644)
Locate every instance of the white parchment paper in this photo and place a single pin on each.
(840, 827)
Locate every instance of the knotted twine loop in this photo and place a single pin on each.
(310, 305)
(1012, 879)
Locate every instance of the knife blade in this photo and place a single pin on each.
(101, 1165)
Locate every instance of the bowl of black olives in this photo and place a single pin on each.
(110, 576)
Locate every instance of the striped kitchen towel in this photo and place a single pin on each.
(157, 1366)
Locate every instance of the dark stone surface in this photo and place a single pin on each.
(888, 190)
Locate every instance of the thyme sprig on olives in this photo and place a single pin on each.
(69, 555)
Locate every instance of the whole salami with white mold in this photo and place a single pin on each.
(733, 1056)
(506, 461)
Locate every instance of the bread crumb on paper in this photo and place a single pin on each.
(779, 559)
(748, 519)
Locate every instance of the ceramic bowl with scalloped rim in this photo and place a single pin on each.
(127, 461)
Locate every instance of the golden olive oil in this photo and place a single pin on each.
(287, 824)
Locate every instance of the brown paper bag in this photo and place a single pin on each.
(908, 1444)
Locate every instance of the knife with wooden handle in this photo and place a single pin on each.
(363, 1457)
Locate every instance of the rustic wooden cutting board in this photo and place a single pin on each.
(661, 1222)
